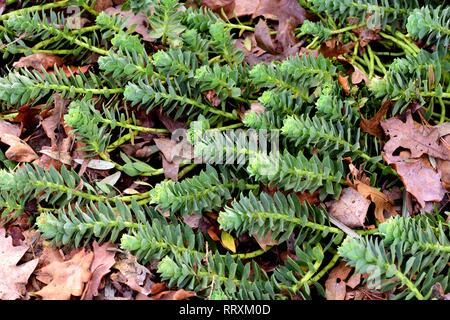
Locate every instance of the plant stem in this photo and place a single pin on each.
(56, 38)
(89, 9)
(186, 170)
(325, 269)
(62, 88)
(253, 254)
(371, 62)
(399, 42)
(133, 127)
(35, 8)
(348, 28)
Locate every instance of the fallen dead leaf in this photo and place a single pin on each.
(343, 82)
(101, 266)
(419, 177)
(54, 120)
(218, 5)
(263, 38)
(415, 137)
(137, 22)
(18, 150)
(358, 75)
(38, 61)
(407, 152)
(335, 285)
(265, 241)
(9, 128)
(372, 126)
(68, 278)
(350, 209)
(333, 48)
(131, 273)
(13, 277)
(101, 5)
(173, 295)
(361, 183)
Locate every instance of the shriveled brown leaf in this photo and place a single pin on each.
(131, 273)
(192, 220)
(372, 126)
(415, 137)
(171, 169)
(343, 82)
(263, 37)
(101, 266)
(13, 277)
(265, 241)
(366, 35)
(137, 22)
(212, 97)
(101, 5)
(171, 124)
(358, 75)
(38, 61)
(380, 200)
(335, 285)
(443, 167)
(289, 14)
(55, 119)
(173, 295)
(218, 5)
(18, 150)
(68, 278)
(333, 48)
(9, 128)
(419, 177)
(350, 209)
(406, 151)
(281, 9)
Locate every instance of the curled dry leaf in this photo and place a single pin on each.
(343, 82)
(101, 266)
(350, 209)
(13, 277)
(65, 278)
(263, 38)
(51, 123)
(173, 295)
(443, 168)
(417, 138)
(358, 75)
(361, 183)
(38, 61)
(137, 22)
(334, 48)
(131, 273)
(372, 126)
(218, 5)
(420, 178)
(335, 285)
(407, 151)
(18, 150)
(9, 128)
(101, 5)
(380, 200)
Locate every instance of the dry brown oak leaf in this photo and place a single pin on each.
(413, 141)
(65, 278)
(411, 135)
(13, 277)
